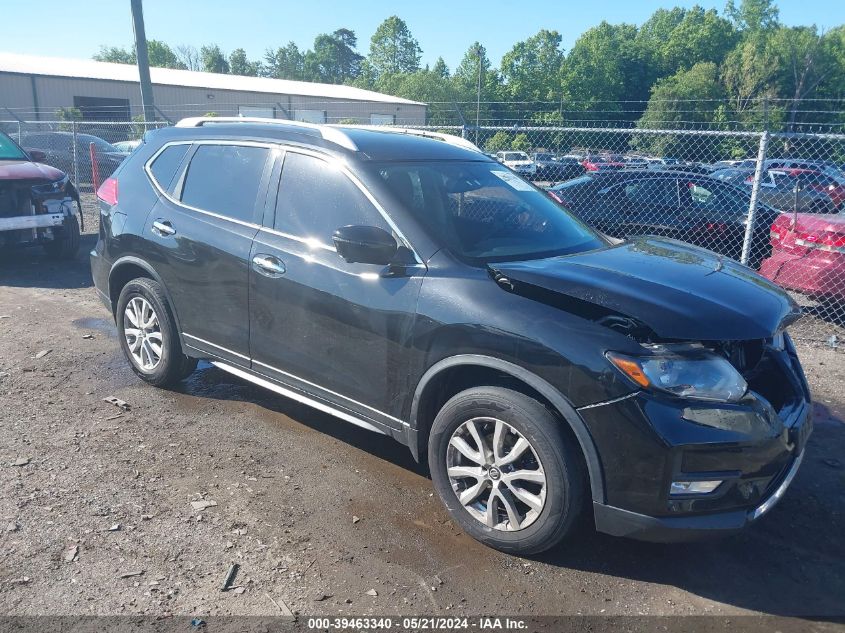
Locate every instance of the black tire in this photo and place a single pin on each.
(173, 364)
(554, 449)
(65, 242)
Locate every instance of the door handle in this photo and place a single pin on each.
(268, 265)
(163, 228)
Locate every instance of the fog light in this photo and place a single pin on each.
(693, 487)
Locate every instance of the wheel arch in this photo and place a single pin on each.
(129, 267)
(422, 413)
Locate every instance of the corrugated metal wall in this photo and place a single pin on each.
(175, 102)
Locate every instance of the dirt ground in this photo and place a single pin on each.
(98, 511)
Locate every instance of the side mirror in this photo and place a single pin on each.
(365, 245)
(37, 155)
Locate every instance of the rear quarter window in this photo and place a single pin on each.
(164, 166)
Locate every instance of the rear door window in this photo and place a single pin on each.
(225, 179)
(662, 192)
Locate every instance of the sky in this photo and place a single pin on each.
(77, 28)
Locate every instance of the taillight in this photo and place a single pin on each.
(834, 242)
(108, 191)
(825, 241)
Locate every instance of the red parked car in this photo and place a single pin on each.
(808, 255)
(603, 162)
(38, 203)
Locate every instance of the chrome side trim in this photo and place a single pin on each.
(334, 393)
(302, 380)
(312, 243)
(606, 402)
(261, 382)
(214, 345)
(770, 503)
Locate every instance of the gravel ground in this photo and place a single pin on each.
(101, 510)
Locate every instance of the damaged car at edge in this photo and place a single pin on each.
(416, 288)
(39, 205)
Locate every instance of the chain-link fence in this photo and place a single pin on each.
(773, 201)
(84, 150)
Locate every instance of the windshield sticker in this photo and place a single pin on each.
(514, 181)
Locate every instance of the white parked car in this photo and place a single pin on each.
(519, 162)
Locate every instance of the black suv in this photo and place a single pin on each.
(414, 287)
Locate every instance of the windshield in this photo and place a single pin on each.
(9, 150)
(483, 212)
(516, 156)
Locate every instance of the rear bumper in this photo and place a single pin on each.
(619, 522)
(817, 273)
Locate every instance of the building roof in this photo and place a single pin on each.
(90, 69)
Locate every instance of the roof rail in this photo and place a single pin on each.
(451, 139)
(327, 133)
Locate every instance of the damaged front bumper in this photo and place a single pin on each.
(40, 221)
(745, 455)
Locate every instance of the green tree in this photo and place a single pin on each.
(333, 59)
(531, 69)
(213, 60)
(606, 67)
(499, 142)
(753, 16)
(688, 97)
(465, 84)
(239, 64)
(286, 62)
(701, 36)
(160, 55)
(440, 68)
(807, 60)
(116, 55)
(393, 49)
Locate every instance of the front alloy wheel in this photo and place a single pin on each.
(496, 474)
(507, 469)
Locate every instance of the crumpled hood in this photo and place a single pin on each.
(25, 170)
(679, 291)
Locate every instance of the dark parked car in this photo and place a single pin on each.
(553, 168)
(58, 149)
(689, 207)
(784, 190)
(416, 288)
(38, 203)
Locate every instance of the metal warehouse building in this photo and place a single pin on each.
(33, 88)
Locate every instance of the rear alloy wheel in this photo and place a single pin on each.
(506, 469)
(148, 334)
(142, 332)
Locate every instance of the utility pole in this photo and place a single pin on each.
(143, 60)
(480, 52)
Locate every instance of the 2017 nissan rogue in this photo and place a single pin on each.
(408, 284)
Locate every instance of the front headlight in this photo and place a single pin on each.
(685, 371)
(51, 187)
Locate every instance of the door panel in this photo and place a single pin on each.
(200, 235)
(336, 330)
(204, 263)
